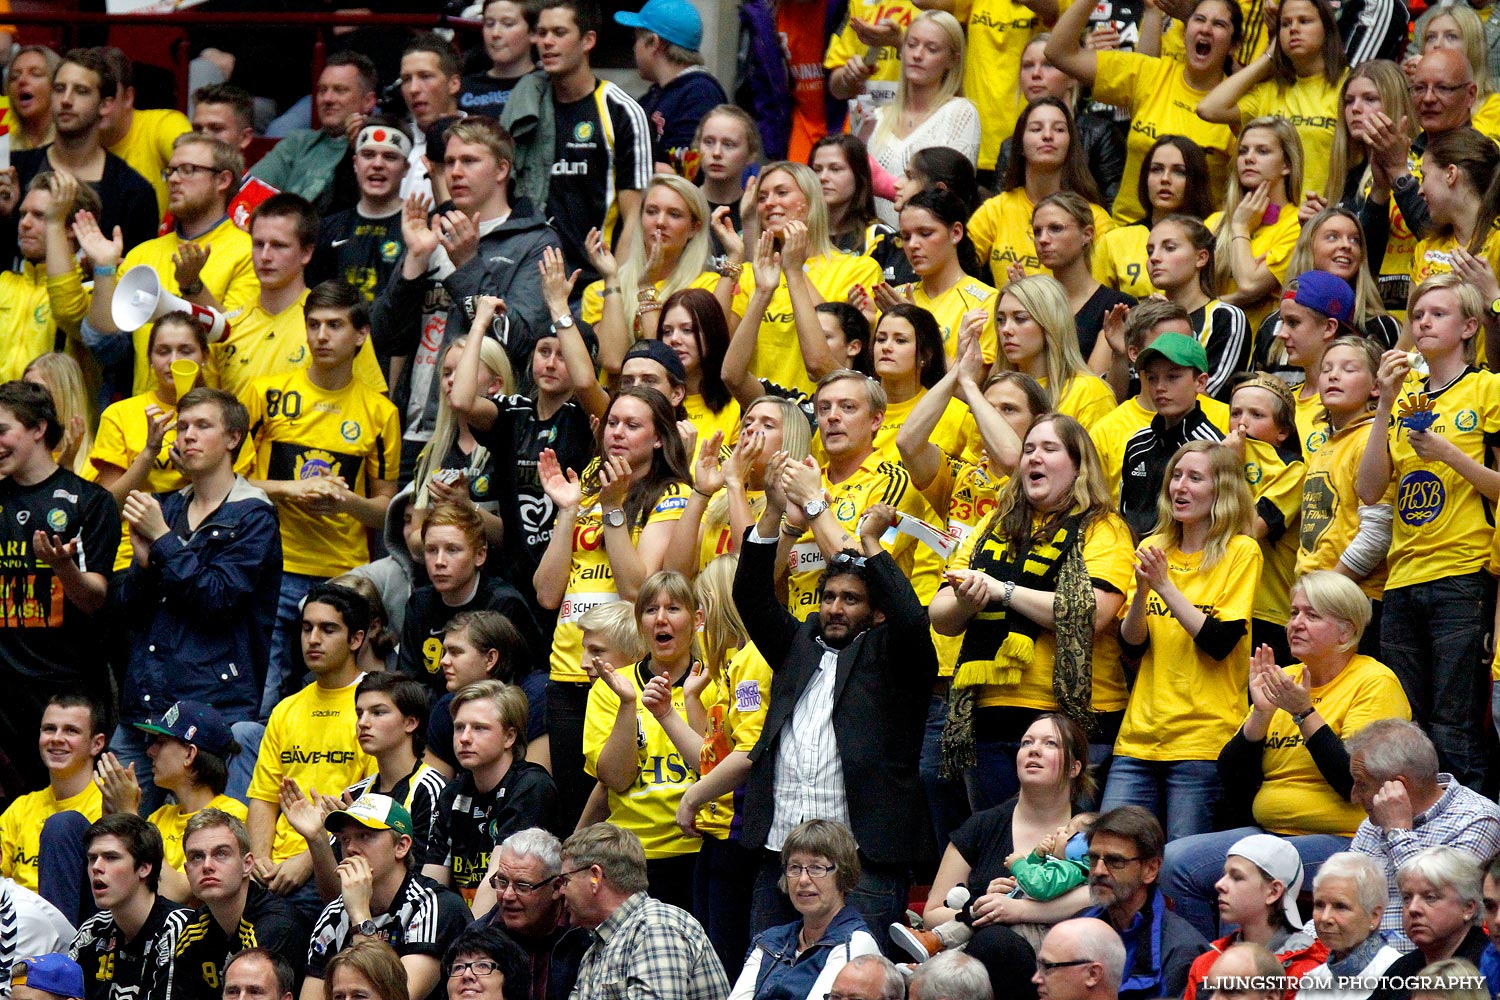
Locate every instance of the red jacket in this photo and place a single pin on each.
(1298, 960)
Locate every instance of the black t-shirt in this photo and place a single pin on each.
(675, 110)
(358, 250)
(141, 968)
(1090, 319)
(427, 618)
(470, 822)
(128, 200)
(423, 919)
(482, 487)
(985, 840)
(268, 921)
(482, 94)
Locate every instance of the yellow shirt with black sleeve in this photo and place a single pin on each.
(1330, 505)
(1185, 704)
(310, 739)
(1109, 557)
(592, 305)
(1087, 399)
(1433, 255)
(778, 354)
(736, 704)
(950, 308)
(1120, 260)
(147, 147)
(228, 275)
(1275, 477)
(21, 828)
(1160, 103)
(171, 821)
(1312, 106)
(1295, 799)
(999, 31)
(1442, 526)
(1274, 242)
(877, 480)
(591, 582)
(649, 808)
(300, 431)
(28, 328)
(1113, 431)
(881, 86)
(963, 494)
(1002, 234)
(260, 344)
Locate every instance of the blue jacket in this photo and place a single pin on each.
(1159, 950)
(785, 975)
(203, 608)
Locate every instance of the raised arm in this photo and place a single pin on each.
(551, 577)
(736, 366)
(557, 286)
(816, 357)
(922, 458)
(1375, 466)
(464, 397)
(1065, 46)
(1222, 104)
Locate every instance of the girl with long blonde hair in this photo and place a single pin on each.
(1038, 336)
(60, 375)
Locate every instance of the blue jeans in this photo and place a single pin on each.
(62, 879)
(1182, 793)
(242, 765)
(1432, 638)
(285, 667)
(947, 801)
(880, 897)
(1192, 865)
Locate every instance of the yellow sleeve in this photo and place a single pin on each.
(1272, 480)
(109, 443)
(984, 226)
(170, 123)
(598, 720)
(939, 492)
(70, 301)
(1103, 221)
(384, 462)
(842, 47)
(1117, 74)
(1279, 253)
(1239, 575)
(1109, 553)
(367, 368)
(244, 287)
(670, 506)
(749, 698)
(1379, 697)
(1256, 103)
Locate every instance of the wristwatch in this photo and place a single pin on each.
(563, 322)
(366, 928)
(1301, 717)
(1405, 183)
(814, 507)
(1495, 308)
(615, 518)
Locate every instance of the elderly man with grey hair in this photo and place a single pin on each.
(1442, 911)
(1412, 806)
(520, 894)
(951, 975)
(1080, 959)
(641, 946)
(868, 977)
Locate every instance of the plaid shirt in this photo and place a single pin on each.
(1460, 818)
(648, 948)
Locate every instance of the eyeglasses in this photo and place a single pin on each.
(794, 872)
(846, 561)
(187, 170)
(1439, 89)
(562, 877)
(500, 884)
(480, 968)
(1044, 967)
(1114, 862)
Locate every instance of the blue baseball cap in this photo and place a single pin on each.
(195, 723)
(1323, 292)
(54, 973)
(677, 21)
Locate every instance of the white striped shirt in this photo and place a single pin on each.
(809, 779)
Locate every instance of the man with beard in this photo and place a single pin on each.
(362, 246)
(1125, 848)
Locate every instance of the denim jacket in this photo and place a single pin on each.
(785, 975)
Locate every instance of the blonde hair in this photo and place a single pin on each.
(1470, 303)
(1334, 595)
(445, 430)
(1291, 152)
(676, 587)
(693, 260)
(724, 631)
(510, 707)
(1475, 50)
(1043, 297)
(1232, 507)
(376, 962)
(1390, 82)
(64, 380)
(796, 441)
(614, 622)
(1367, 302)
(1076, 207)
(818, 244)
(952, 84)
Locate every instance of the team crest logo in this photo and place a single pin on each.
(1466, 420)
(349, 429)
(40, 314)
(481, 486)
(22, 516)
(583, 131)
(846, 511)
(1420, 497)
(298, 356)
(315, 463)
(390, 250)
(1253, 473)
(57, 519)
(1316, 440)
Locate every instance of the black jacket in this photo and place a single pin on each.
(881, 694)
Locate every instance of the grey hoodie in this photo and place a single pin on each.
(397, 574)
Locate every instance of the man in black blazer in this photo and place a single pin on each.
(848, 701)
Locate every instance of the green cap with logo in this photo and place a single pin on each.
(1178, 348)
(372, 811)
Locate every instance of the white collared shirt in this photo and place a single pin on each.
(809, 779)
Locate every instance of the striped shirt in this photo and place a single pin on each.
(1225, 334)
(418, 792)
(809, 777)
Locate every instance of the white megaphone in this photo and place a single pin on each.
(139, 299)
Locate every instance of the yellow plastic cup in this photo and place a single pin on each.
(184, 376)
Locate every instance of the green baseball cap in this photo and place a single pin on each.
(1178, 348)
(373, 811)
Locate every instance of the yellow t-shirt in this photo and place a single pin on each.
(1120, 260)
(591, 582)
(1275, 243)
(123, 430)
(1312, 429)
(310, 739)
(1276, 487)
(1002, 234)
(963, 494)
(1113, 431)
(1486, 117)
(1295, 799)
(716, 535)
(171, 821)
(21, 829)
(261, 344)
(950, 435)
(778, 355)
(592, 305)
(726, 421)
(998, 31)
(1161, 103)
(1110, 558)
(949, 309)
(736, 704)
(300, 431)
(1433, 255)
(1087, 399)
(877, 480)
(28, 328)
(649, 808)
(147, 147)
(1442, 526)
(1330, 505)
(1312, 106)
(228, 275)
(846, 45)
(1185, 705)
